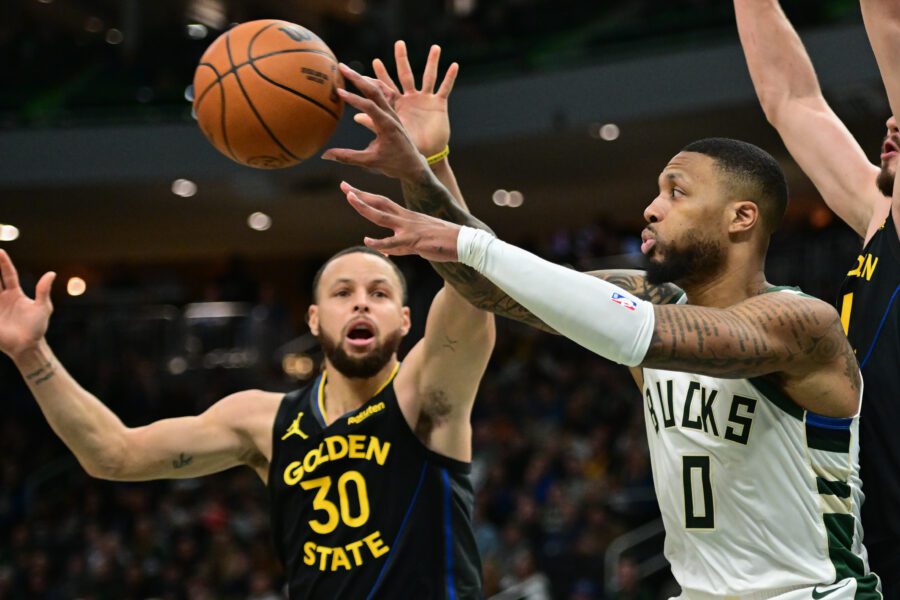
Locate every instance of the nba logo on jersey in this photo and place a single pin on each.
(624, 301)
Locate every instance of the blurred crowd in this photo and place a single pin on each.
(560, 468)
(81, 61)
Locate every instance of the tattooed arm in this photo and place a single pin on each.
(234, 431)
(799, 340)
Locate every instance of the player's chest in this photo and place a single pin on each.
(700, 410)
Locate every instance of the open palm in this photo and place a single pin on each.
(23, 321)
(422, 111)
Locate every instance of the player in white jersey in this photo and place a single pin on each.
(752, 393)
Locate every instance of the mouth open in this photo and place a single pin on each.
(889, 150)
(360, 334)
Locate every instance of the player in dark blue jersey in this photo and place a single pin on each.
(367, 466)
(859, 192)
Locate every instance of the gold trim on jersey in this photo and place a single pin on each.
(321, 395)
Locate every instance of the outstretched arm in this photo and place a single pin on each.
(882, 19)
(792, 100)
(105, 447)
(796, 338)
(394, 152)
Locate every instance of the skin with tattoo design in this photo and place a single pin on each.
(707, 234)
(416, 426)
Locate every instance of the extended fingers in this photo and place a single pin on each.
(383, 76)
(404, 71)
(371, 88)
(369, 212)
(42, 291)
(9, 279)
(429, 76)
(359, 158)
(380, 117)
(449, 80)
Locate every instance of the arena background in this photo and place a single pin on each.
(105, 178)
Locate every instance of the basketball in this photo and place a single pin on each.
(265, 93)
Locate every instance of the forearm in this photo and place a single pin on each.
(431, 195)
(779, 64)
(600, 316)
(882, 20)
(90, 430)
(447, 177)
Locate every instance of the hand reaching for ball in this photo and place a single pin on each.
(393, 151)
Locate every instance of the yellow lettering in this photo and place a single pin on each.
(309, 553)
(340, 560)
(376, 545)
(293, 473)
(354, 548)
(357, 446)
(870, 266)
(311, 460)
(337, 447)
(323, 551)
(379, 449)
(859, 266)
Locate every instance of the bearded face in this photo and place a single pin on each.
(360, 364)
(687, 260)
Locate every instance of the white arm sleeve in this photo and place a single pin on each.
(600, 316)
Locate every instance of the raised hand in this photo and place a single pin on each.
(392, 152)
(423, 111)
(414, 233)
(23, 321)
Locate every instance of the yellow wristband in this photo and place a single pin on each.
(434, 158)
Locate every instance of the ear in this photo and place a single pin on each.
(312, 319)
(407, 323)
(744, 216)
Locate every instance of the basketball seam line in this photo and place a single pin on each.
(250, 103)
(309, 99)
(250, 61)
(222, 119)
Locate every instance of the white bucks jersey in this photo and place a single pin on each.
(758, 496)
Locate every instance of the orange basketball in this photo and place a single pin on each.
(265, 93)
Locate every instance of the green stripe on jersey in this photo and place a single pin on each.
(840, 543)
(777, 397)
(829, 440)
(833, 488)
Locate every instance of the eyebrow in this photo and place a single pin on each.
(344, 280)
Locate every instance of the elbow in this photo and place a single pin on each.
(111, 464)
(773, 101)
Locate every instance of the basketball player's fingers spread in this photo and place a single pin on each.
(429, 76)
(370, 88)
(358, 158)
(404, 71)
(383, 76)
(380, 118)
(10, 279)
(449, 80)
(382, 203)
(380, 218)
(394, 245)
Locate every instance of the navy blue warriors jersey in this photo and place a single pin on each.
(870, 313)
(362, 509)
